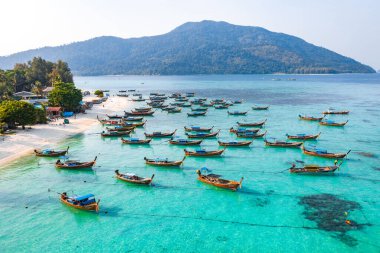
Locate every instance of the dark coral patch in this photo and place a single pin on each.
(329, 213)
(366, 154)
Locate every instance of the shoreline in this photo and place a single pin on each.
(23, 143)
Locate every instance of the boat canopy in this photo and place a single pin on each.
(83, 197)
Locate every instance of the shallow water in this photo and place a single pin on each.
(181, 214)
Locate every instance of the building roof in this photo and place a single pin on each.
(48, 89)
(25, 94)
(53, 109)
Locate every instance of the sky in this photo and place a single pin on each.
(348, 27)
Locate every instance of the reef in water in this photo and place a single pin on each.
(366, 154)
(329, 213)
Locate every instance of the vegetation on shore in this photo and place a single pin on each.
(35, 76)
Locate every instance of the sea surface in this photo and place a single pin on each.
(275, 211)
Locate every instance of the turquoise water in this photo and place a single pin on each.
(179, 213)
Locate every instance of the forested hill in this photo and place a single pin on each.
(206, 47)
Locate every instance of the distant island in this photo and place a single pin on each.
(206, 47)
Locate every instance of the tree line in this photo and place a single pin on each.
(35, 76)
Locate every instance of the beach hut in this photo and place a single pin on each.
(53, 112)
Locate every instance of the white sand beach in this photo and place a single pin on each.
(24, 142)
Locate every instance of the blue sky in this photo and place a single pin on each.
(349, 27)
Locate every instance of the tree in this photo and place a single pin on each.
(37, 88)
(65, 95)
(38, 70)
(13, 112)
(61, 72)
(99, 93)
(6, 87)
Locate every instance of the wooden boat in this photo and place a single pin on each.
(135, 113)
(237, 101)
(139, 99)
(219, 107)
(237, 113)
(203, 152)
(303, 136)
(136, 141)
(283, 144)
(177, 104)
(310, 118)
(218, 101)
(132, 118)
(215, 180)
(332, 111)
(137, 94)
(51, 152)
(120, 128)
(250, 135)
(135, 124)
(69, 164)
(198, 129)
(114, 116)
(186, 105)
(181, 99)
(195, 114)
(312, 169)
(199, 109)
(260, 108)
(122, 95)
(332, 123)
(160, 134)
(244, 130)
(163, 162)
(253, 124)
(203, 135)
(323, 153)
(185, 142)
(107, 121)
(190, 94)
(234, 143)
(115, 133)
(175, 110)
(132, 178)
(85, 202)
(143, 109)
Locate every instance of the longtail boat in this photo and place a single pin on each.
(198, 129)
(190, 94)
(160, 134)
(332, 123)
(181, 99)
(310, 118)
(253, 124)
(195, 114)
(139, 99)
(260, 108)
(323, 153)
(85, 202)
(303, 136)
(203, 135)
(185, 142)
(175, 110)
(107, 121)
(51, 152)
(136, 141)
(163, 162)
(219, 107)
(234, 143)
(236, 113)
(312, 169)
(283, 144)
(135, 124)
(132, 118)
(114, 116)
(177, 104)
(237, 101)
(215, 180)
(132, 178)
(218, 101)
(120, 128)
(69, 164)
(203, 152)
(135, 113)
(244, 130)
(143, 109)
(250, 135)
(199, 109)
(333, 111)
(115, 133)
(186, 105)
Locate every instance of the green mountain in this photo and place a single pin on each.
(206, 47)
